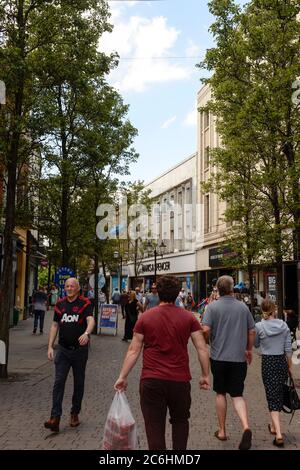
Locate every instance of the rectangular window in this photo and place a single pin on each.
(206, 158)
(206, 214)
(206, 119)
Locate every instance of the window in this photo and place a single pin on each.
(205, 119)
(206, 158)
(206, 213)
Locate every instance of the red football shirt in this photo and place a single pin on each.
(166, 330)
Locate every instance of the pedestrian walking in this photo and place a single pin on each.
(163, 333)
(73, 319)
(39, 301)
(132, 309)
(152, 299)
(274, 338)
(231, 328)
(124, 297)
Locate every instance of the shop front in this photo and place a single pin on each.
(215, 262)
(180, 265)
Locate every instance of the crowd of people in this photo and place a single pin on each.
(159, 324)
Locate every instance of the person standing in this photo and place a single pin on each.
(231, 328)
(73, 319)
(53, 295)
(39, 301)
(163, 333)
(274, 338)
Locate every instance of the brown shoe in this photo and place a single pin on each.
(52, 424)
(74, 421)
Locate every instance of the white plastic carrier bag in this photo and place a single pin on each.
(120, 431)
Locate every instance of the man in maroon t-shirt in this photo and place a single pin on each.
(164, 331)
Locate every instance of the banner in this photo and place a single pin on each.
(62, 274)
(108, 317)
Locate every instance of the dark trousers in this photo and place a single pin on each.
(64, 360)
(156, 397)
(39, 316)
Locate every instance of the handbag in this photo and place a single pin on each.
(291, 401)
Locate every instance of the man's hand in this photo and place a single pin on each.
(120, 385)
(249, 356)
(204, 382)
(83, 339)
(50, 353)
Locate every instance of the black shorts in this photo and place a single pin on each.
(229, 377)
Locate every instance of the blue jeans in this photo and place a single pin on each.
(64, 360)
(39, 316)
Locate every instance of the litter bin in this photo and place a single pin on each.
(16, 316)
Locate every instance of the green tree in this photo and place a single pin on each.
(254, 65)
(33, 35)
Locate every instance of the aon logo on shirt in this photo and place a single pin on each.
(69, 318)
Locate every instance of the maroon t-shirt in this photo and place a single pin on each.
(166, 330)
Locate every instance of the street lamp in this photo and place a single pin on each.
(117, 255)
(151, 248)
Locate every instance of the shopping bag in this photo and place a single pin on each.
(120, 431)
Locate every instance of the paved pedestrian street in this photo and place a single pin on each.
(26, 399)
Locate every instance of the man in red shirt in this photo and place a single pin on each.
(164, 331)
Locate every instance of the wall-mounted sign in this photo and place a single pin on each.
(219, 256)
(159, 267)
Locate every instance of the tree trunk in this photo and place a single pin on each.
(65, 184)
(6, 279)
(12, 162)
(251, 283)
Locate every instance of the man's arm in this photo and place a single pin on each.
(206, 332)
(84, 339)
(203, 357)
(52, 336)
(250, 342)
(131, 357)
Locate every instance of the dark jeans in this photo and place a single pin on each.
(156, 396)
(39, 316)
(64, 360)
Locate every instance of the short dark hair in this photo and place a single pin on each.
(168, 288)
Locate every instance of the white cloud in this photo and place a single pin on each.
(168, 122)
(193, 50)
(143, 45)
(191, 117)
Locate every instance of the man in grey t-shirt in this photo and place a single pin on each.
(231, 328)
(152, 300)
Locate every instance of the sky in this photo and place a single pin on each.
(159, 43)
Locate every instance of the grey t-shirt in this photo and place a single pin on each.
(229, 320)
(152, 300)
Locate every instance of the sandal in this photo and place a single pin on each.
(220, 438)
(270, 430)
(278, 442)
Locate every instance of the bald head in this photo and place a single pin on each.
(72, 287)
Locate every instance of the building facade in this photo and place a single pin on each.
(173, 222)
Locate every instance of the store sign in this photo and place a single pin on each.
(271, 286)
(219, 256)
(166, 266)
